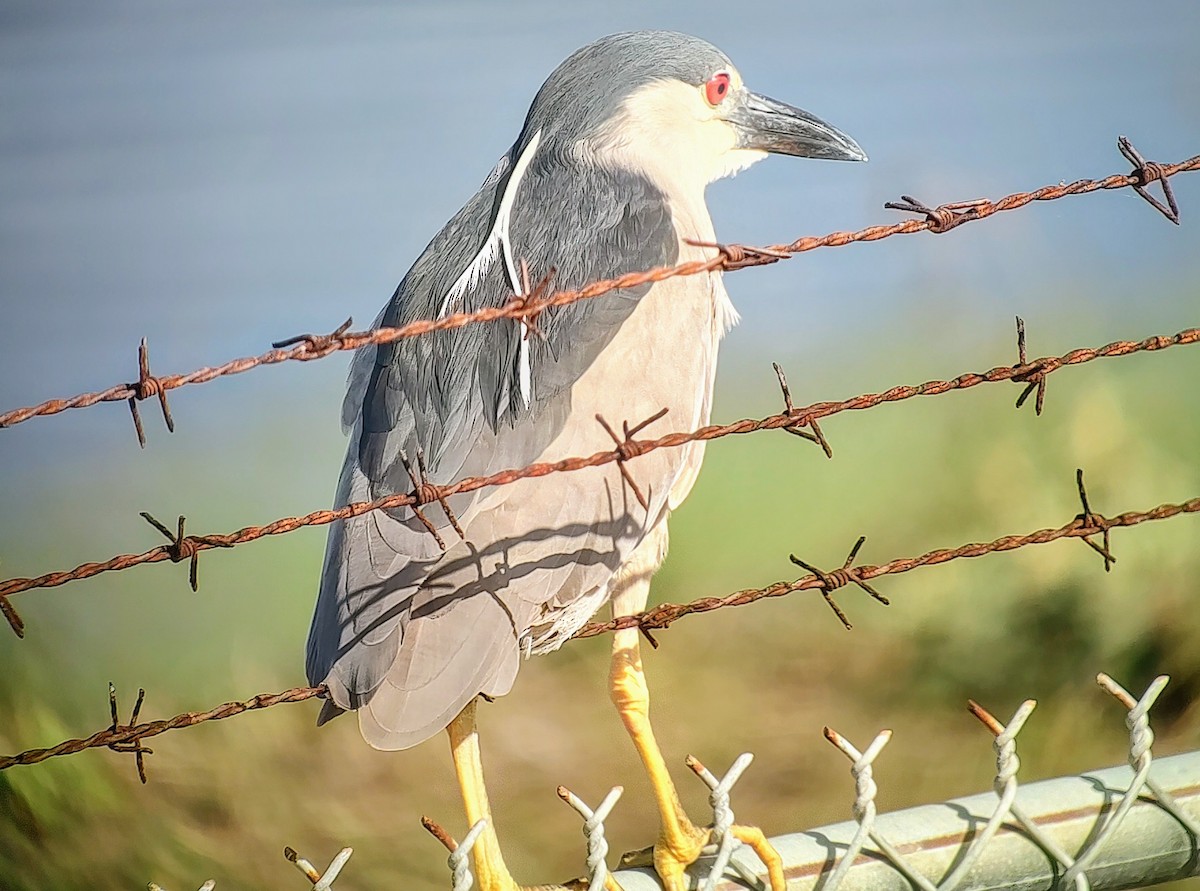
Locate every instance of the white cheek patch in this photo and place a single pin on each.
(737, 160)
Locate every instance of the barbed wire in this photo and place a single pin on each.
(187, 547)
(127, 738)
(119, 736)
(526, 307)
(1083, 526)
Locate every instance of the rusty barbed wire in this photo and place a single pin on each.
(127, 738)
(791, 419)
(117, 736)
(526, 307)
(663, 615)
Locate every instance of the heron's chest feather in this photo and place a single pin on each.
(693, 224)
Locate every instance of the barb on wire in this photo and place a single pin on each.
(839, 578)
(802, 420)
(1096, 523)
(11, 616)
(134, 744)
(944, 217)
(729, 257)
(629, 448)
(1034, 378)
(207, 886)
(739, 256)
(122, 735)
(593, 831)
(1146, 172)
(320, 881)
(531, 300)
(425, 492)
(619, 455)
(144, 387)
(185, 547)
(317, 345)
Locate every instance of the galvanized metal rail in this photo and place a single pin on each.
(1149, 846)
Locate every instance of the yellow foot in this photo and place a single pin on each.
(753, 836)
(676, 851)
(671, 857)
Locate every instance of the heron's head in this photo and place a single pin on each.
(672, 108)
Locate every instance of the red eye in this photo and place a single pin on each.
(717, 88)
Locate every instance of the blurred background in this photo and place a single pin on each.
(217, 176)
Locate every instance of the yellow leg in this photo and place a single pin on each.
(490, 870)
(491, 873)
(680, 840)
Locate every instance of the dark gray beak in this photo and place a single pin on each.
(773, 126)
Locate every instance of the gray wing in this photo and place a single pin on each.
(441, 628)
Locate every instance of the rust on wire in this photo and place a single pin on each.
(531, 300)
(944, 217)
(185, 547)
(424, 492)
(985, 717)
(122, 735)
(802, 419)
(729, 257)
(439, 832)
(291, 855)
(839, 578)
(1146, 172)
(1094, 522)
(739, 256)
(625, 451)
(629, 448)
(318, 345)
(1032, 374)
(144, 387)
(10, 614)
(134, 744)
(663, 615)
(658, 617)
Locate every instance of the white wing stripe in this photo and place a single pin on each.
(497, 241)
(524, 372)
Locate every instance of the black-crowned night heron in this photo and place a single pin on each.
(607, 177)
